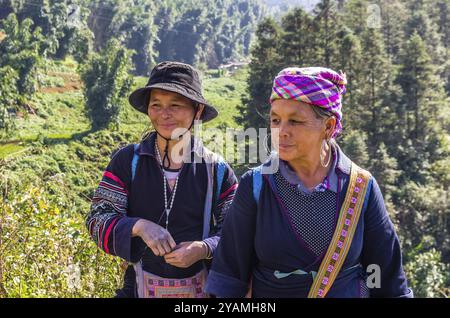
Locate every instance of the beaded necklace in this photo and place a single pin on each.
(167, 206)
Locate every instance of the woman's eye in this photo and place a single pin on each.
(296, 122)
(275, 121)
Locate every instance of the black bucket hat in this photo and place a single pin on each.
(174, 77)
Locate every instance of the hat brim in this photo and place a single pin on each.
(140, 97)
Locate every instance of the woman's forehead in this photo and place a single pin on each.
(157, 93)
(288, 107)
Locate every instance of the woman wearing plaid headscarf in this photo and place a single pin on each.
(317, 226)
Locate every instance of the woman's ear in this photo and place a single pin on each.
(330, 126)
(200, 109)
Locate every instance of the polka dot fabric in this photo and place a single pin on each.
(312, 215)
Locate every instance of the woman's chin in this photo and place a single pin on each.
(167, 131)
(286, 155)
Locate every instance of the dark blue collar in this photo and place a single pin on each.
(343, 163)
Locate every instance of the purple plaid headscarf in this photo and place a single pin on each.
(316, 86)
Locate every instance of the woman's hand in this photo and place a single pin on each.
(186, 254)
(157, 238)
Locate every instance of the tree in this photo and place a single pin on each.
(298, 29)
(350, 61)
(354, 145)
(265, 64)
(385, 169)
(22, 49)
(374, 87)
(138, 32)
(106, 82)
(8, 98)
(206, 33)
(324, 40)
(393, 15)
(423, 94)
(420, 22)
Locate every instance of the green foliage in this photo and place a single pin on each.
(200, 32)
(45, 250)
(263, 68)
(21, 49)
(423, 210)
(106, 82)
(354, 145)
(206, 32)
(63, 24)
(428, 276)
(8, 84)
(197, 32)
(423, 93)
(44, 253)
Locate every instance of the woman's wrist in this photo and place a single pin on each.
(207, 251)
(136, 230)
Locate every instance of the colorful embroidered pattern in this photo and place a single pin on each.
(226, 197)
(345, 229)
(158, 287)
(109, 205)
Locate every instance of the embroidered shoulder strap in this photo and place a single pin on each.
(343, 235)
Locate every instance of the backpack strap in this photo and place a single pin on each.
(216, 168)
(221, 167)
(257, 182)
(267, 168)
(134, 161)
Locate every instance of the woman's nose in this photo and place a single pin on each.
(166, 113)
(283, 129)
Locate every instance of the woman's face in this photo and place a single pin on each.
(168, 111)
(300, 131)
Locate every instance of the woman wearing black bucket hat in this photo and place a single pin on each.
(161, 203)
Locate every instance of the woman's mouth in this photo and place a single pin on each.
(285, 147)
(167, 126)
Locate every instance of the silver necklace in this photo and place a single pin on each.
(167, 207)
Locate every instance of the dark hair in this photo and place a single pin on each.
(321, 113)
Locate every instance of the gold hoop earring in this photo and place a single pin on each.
(325, 142)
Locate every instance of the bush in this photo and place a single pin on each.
(22, 49)
(427, 275)
(8, 98)
(106, 82)
(45, 251)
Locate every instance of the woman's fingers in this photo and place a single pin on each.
(155, 250)
(166, 246)
(161, 249)
(159, 240)
(172, 242)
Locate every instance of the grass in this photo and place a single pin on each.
(10, 149)
(225, 93)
